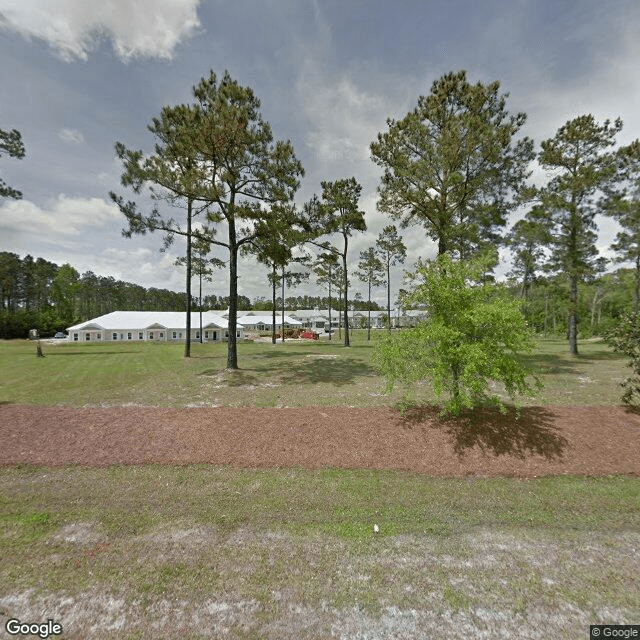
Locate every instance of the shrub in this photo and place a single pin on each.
(473, 335)
(624, 337)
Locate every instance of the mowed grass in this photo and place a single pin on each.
(285, 375)
(200, 552)
(195, 552)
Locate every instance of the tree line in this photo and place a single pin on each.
(456, 165)
(36, 293)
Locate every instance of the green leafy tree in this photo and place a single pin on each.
(582, 166)
(339, 214)
(249, 176)
(392, 251)
(624, 337)
(473, 335)
(623, 203)
(66, 286)
(325, 268)
(273, 246)
(453, 164)
(202, 267)
(371, 272)
(174, 176)
(11, 144)
(527, 240)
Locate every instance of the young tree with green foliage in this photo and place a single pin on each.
(453, 164)
(392, 251)
(582, 166)
(371, 272)
(11, 144)
(339, 213)
(473, 335)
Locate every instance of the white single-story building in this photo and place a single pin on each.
(264, 322)
(161, 326)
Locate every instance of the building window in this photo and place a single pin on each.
(75, 337)
(180, 335)
(161, 335)
(237, 334)
(140, 335)
(197, 334)
(114, 336)
(226, 334)
(99, 336)
(151, 335)
(128, 336)
(87, 336)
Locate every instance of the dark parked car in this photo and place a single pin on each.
(60, 335)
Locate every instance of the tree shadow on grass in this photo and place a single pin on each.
(527, 433)
(334, 371)
(232, 378)
(48, 353)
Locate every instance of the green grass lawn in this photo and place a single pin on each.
(200, 552)
(291, 374)
(187, 552)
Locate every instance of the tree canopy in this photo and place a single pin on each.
(583, 166)
(12, 145)
(454, 165)
(472, 336)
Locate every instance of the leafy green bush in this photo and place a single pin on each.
(624, 337)
(472, 337)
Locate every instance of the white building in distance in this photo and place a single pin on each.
(160, 326)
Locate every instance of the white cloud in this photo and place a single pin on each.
(137, 28)
(62, 217)
(344, 119)
(72, 136)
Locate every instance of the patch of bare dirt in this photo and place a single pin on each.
(542, 441)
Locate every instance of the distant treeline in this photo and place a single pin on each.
(38, 294)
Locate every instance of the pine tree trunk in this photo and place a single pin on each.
(636, 302)
(187, 342)
(369, 314)
(573, 316)
(232, 322)
(388, 296)
(273, 310)
(346, 297)
(330, 327)
(282, 324)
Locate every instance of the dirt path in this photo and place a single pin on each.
(545, 440)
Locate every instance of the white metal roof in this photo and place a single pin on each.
(266, 319)
(138, 320)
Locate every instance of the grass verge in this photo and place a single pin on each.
(292, 374)
(195, 551)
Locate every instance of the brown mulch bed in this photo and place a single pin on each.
(543, 441)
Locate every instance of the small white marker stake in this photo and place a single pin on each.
(376, 528)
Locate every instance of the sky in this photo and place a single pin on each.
(77, 77)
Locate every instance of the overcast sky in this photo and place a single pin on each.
(79, 76)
